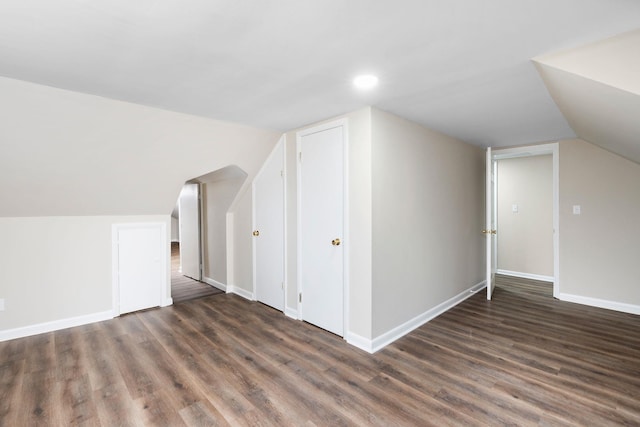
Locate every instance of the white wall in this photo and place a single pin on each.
(71, 165)
(428, 210)
(175, 229)
(217, 198)
(76, 154)
(599, 249)
(57, 268)
(240, 278)
(525, 237)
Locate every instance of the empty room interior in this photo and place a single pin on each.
(319, 213)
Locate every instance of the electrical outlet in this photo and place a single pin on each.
(577, 210)
(1, 304)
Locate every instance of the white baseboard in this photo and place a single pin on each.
(231, 289)
(291, 312)
(387, 338)
(360, 342)
(55, 325)
(600, 303)
(166, 302)
(215, 283)
(526, 275)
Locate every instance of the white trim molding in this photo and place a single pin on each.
(55, 325)
(538, 150)
(526, 275)
(600, 303)
(291, 312)
(359, 341)
(378, 343)
(231, 289)
(209, 281)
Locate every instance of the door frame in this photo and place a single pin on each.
(540, 150)
(282, 141)
(164, 260)
(344, 123)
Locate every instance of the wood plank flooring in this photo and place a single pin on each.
(527, 286)
(521, 359)
(184, 288)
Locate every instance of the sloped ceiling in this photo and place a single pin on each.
(597, 88)
(461, 67)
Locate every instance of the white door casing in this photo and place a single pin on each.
(321, 227)
(139, 266)
(268, 192)
(490, 230)
(189, 222)
(537, 150)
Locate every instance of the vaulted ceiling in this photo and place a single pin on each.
(597, 88)
(462, 67)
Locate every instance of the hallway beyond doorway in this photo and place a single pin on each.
(184, 288)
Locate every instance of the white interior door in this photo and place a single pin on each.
(320, 227)
(268, 226)
(189, 222)
(490, 230)
(140, 268)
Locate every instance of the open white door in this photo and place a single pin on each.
(321, 226)
(189, 217)
(268, 230)
(490, 230)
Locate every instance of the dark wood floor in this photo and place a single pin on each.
(521, 359)
(184, 288)
(526, 286)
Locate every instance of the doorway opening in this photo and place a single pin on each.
(199, 240)
(184, 288)
(526, 214)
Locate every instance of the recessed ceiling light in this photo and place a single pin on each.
(365, 81)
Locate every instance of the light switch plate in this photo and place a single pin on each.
(514, 208)
(576, 209)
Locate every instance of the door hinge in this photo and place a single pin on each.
(282, 173)
(300, 297)
(282, 285)
(300, 156)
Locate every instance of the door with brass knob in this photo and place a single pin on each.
(268, 230)
(321, 226)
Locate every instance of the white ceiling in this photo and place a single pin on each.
(462, 67)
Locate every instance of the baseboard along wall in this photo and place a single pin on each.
(373, 345)
(55, 325)
(526, 275)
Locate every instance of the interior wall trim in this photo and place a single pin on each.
(55, 325)
(209, 281)
(291, 312)
(231, 289)
(378, 343)
(526, 275)
(601, 303)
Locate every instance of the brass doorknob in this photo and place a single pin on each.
(256, 233)
(335, 242)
